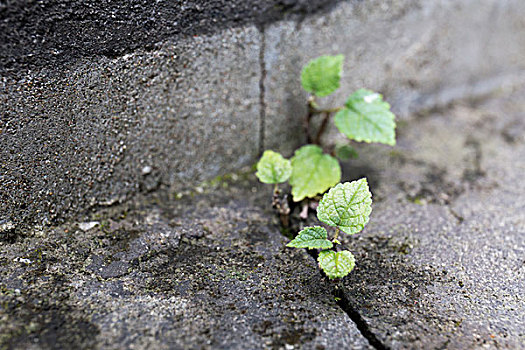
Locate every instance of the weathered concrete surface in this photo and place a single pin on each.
(90, 118)
(104, 129)
(417, 53)
(208, 271)
(100, 101)
(441, 264)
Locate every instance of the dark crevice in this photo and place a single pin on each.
(262, 91)
(343, 302)
(346, 305)
(348, 308)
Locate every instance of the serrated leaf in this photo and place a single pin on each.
(366, 117)
(311, 238)
(273, 168)
(336, 265)
(313, 172)
(321, 76)
(345, 152)
(347, 206)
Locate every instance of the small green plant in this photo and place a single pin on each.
(347, 207)
(364, 117)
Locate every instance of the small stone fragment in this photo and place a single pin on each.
(6, 226)
(146, 170)
(86, 226)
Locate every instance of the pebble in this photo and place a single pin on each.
(86, 226)
(6, 226)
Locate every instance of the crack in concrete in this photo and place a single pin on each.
(262, 90)
(363, 327)
(456, 216)
(351, 311)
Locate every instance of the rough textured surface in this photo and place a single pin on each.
(102, 130)
(441, 263)
(206, 271)
(56, 32)
(101, 100)
(406, 49)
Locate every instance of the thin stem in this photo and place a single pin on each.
(313, 103)
(322, 128)
(280, 204)
(312, 110)
(309, 114)
(336, 234)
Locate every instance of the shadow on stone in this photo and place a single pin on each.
(44, 319)
(63, 31)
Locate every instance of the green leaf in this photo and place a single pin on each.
(336, 265)
(366, 117)
(321, 76)
(313, 172)
(273, 168)
(345, 152)
(311, 238)
(347, 206)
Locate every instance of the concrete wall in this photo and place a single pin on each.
(100, 101)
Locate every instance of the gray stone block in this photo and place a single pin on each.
(101, 130)
(439, 265)
(91, 116)
(58, 32)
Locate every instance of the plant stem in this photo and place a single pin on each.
(336, 234)
(322, 128)
(309, 114)
(280, 204)
(313, 109)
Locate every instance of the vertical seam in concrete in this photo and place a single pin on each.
(262, 92)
